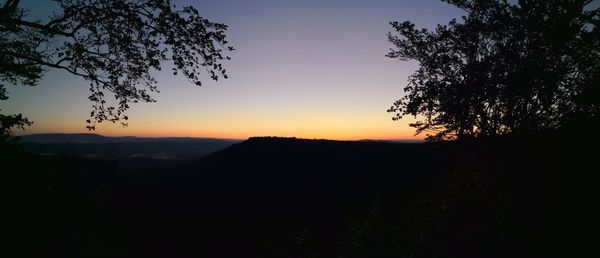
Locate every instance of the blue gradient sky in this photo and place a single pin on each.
(304, 68)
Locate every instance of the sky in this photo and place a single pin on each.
(302, 68)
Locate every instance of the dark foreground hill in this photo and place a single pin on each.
(285, 197)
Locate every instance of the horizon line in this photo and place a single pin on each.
(221, 138)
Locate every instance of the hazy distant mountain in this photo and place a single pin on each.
(98, 146)
(63, 137)
(96, 138)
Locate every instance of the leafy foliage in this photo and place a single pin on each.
(114, 45)
(506, 68)
(7, 122)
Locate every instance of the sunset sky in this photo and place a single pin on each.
(303, 68)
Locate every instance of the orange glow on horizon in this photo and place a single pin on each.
(344, 136)
(307, 124)
(242, 134)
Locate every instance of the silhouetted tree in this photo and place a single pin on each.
(7, 122)
(506, 68)
(114, 45)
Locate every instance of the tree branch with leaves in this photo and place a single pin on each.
(114, 45)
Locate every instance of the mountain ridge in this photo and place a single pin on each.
(98, 138)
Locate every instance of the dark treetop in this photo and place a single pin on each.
(504, 69)
(114, 45)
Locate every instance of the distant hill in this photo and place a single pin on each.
(65, 137)
(97, 138)
(99, 146)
